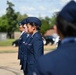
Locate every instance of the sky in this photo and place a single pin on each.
(37, 8)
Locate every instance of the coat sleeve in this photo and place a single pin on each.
(38, 48)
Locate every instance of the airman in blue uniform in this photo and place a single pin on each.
(25, 57)
(25, 42)
(35, 44)
(22, 40)
(62, 61)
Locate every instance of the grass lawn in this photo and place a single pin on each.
(7, 42)
(6, 47)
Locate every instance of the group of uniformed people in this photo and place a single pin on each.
(30, 44)
(61, 61)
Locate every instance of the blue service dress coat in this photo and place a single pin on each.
(25, 44)
(35, 50)
(22, 38)
(62, 61)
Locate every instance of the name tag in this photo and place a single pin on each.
(29, 44)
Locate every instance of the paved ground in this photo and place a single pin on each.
(9, 64)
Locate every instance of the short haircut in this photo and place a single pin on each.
(67, 29)
(34, 24)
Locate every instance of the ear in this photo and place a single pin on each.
(55, 28)
(34, 27)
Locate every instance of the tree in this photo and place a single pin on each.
(20, 17)
(53, 19)
(3, 24)
(45, 25)
(11, 17)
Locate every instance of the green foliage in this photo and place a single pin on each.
(52, 20)
(45, 25)
(11, 17)
(9, 21)
(21, 17)
(3, 24)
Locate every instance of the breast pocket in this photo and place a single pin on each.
(30, 49)
(29, 46)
